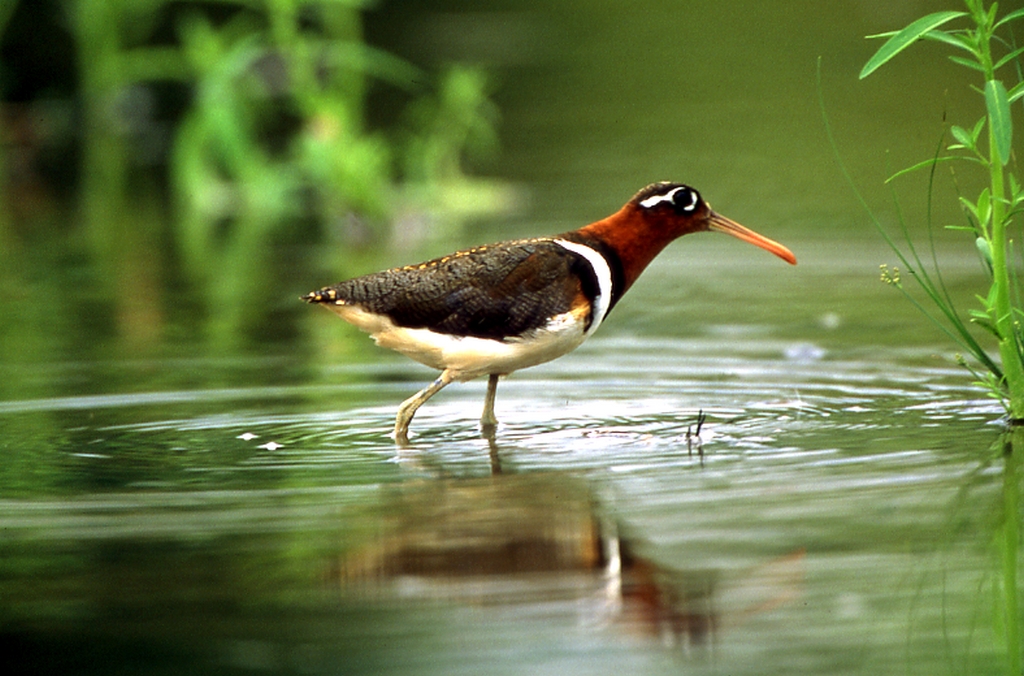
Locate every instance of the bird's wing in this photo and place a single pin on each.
(495, 291)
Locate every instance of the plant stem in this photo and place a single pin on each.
(1009, 351)
(1005, 323)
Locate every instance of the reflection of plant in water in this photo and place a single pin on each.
(990, 635)
(267, 132)
(1007, 544)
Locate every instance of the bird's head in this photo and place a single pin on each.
(672, 210)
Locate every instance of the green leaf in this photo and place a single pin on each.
(950, 38)
(967, 63)
(984, 213)
(963, 136)
(970, 207)
(1008, 58)
(1009, 17)
(1015, 93)
(976, 132)
(990, 301)
(905, 38)
(986, 324)
(1000, 124)
(923, 164)
(1016, 195)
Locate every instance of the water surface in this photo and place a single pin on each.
(836, 513)
(175, 499)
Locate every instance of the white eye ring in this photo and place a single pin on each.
(654, 200)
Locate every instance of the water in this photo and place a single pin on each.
(837, 513)
(178, 500)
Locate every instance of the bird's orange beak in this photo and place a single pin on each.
(718, 223)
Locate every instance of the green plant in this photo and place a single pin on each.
(269, 142)
(987, 144)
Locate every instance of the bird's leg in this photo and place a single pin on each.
(408, 408)
(487, 420)
(489, 423)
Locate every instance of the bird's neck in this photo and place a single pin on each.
(633, 240)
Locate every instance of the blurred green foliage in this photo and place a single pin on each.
(266, 148)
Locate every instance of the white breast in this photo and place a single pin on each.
(468, 357)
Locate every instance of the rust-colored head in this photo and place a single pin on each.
(659, 214)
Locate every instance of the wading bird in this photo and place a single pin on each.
(498, 308)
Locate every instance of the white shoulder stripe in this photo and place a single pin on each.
(604, 280)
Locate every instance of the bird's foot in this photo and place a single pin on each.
(409, 407)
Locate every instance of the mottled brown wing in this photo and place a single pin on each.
(496, 291)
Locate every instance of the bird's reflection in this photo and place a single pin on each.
(543, 538)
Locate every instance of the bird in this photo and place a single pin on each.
(498, 308)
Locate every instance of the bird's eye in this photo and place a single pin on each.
(685, 199)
